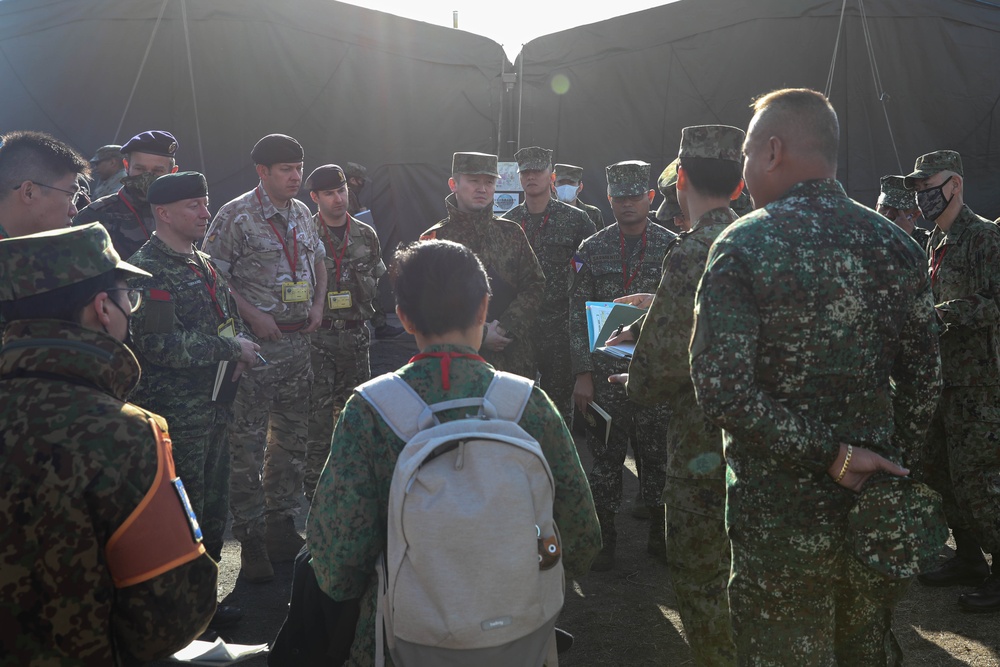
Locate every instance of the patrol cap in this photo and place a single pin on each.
(667, 185)
(897, 526)
(475, 163)
(533, 157)
(717, 142)
(277, 148)
(933, 163)
(39, 263)
(355, 170)
(569, 172)
(327, 177)
(154, 142)
(174, 187)
(628, 178)
(107, 152)
(893, 193)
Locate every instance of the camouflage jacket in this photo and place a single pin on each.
(346, 529)
(128, 219)
(179, 365)
(554, 236)
(593, 213)
(965, 277)
(807, 308)
(360, 268)
(247, 249)
(598, 274)
(77, 461)
(921, 236)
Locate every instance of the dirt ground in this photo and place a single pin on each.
(627, 616)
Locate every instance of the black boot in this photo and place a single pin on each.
(656, 544)
(986, 598)
(605, 560)
(967, 567)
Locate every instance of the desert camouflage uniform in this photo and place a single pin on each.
(271, 411)
(504, 251)
(129, 227)
(340, 345)
(806, 309)
(346, 529)
(695, 491)
(178, 374)
(554, 235)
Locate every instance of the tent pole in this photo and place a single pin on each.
(138, 75)
(520, 98)
(194, 94)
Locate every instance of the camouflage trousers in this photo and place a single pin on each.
(339, 364)
(554, 363)
(201, 460)
(268, 436)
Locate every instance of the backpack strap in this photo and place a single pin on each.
(397, 403)
(508, 394)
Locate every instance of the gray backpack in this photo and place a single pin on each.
(472, 573)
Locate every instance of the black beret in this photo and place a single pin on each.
(275, 148)
(327, 177)
(174, 187)
(154, 142)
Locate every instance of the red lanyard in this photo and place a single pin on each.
(446, 358)
(337, 259)
(211, 287)
(281, 240)
(138, 218)
(626, 278)
(524, 226)
(936, 262)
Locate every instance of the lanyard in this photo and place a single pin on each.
(524, 226)
(936, 262)
(281, 240)
(337, 258)
(211, 287)
(626, 278)
(446, 358)
(138, 218)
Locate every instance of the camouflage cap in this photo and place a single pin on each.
(717, 142)
(39, 263)
(533, 157)
(628, 178)
(893, 193)
(933, 163)
(475, 163)
(107, 152)
(897, 526)
(569, 172)
(667, 185)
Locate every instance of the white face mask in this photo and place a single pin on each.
(566, 193)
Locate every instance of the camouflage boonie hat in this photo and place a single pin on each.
(106, 152)
(933, 163)
(896, 527)
(474, 163)
(893, 193)
(39, 263)
(628, 178)
(667, 185)
(717, 142)
(569, 172)
(533, 157)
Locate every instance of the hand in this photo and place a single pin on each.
(624, 337)
(494, 340)
(639, 300)
(248, 355)
(619, 378)
(315, 317)
(864, 463)
(264, 327)
(583, 391)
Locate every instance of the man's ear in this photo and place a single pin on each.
(314, 196)
(553, 176)
(174, 170)
(651, 194)
(452, 184)
(737, 192)
(776, 153)
(262, 171)
(682, 179)
(125, 162)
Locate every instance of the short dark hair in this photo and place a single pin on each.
(439, 285)
(37, 157)
(63, 303)
(805, 116)
(712, 177)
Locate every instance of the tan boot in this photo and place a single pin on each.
(283, 541)
(605, 560)
(255, 566)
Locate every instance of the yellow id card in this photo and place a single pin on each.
(297, 292)
(338, 300)
(228, 329)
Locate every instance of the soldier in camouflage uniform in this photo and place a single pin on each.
(808, 309)
(516, 277)
(623, 258)
(695, 491)
(899, 205)
(126, 214)
(555, 230)
(569, 185)
(669, 213)
(347, 521)
(964, 257)
(108, 171)
(340, 345)
(266, 245)
(100, 563)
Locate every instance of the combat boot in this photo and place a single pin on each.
(605, 559)
(255, 566)
(967, 567)
(656, 545)
(986, 598)
(283, 541)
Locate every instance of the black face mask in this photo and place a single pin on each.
(932, 202)
(128, 323)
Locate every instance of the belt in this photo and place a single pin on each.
(342, 324)
(291, 327)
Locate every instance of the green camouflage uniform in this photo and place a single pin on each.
(346, 529)
(271, 411)
(129, 230)
(504, 251)
(340, 345)
(806, 309)
(554, 235)
(593, 213)
(178, 373)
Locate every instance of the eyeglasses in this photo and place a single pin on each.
(134, 296)
(74, 194)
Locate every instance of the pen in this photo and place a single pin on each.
(621, 327)
(263, 361)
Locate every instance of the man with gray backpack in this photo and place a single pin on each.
(460, 484)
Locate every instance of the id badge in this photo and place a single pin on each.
(228, 329)
(338, 300)
(297, 292)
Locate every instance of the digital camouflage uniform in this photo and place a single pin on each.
(806, 309)
(271, 411)
(126, 215)
(893, 193)
(340, 346)
(504, 250)
(179, 363)
(593, 213)
(347, 523)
